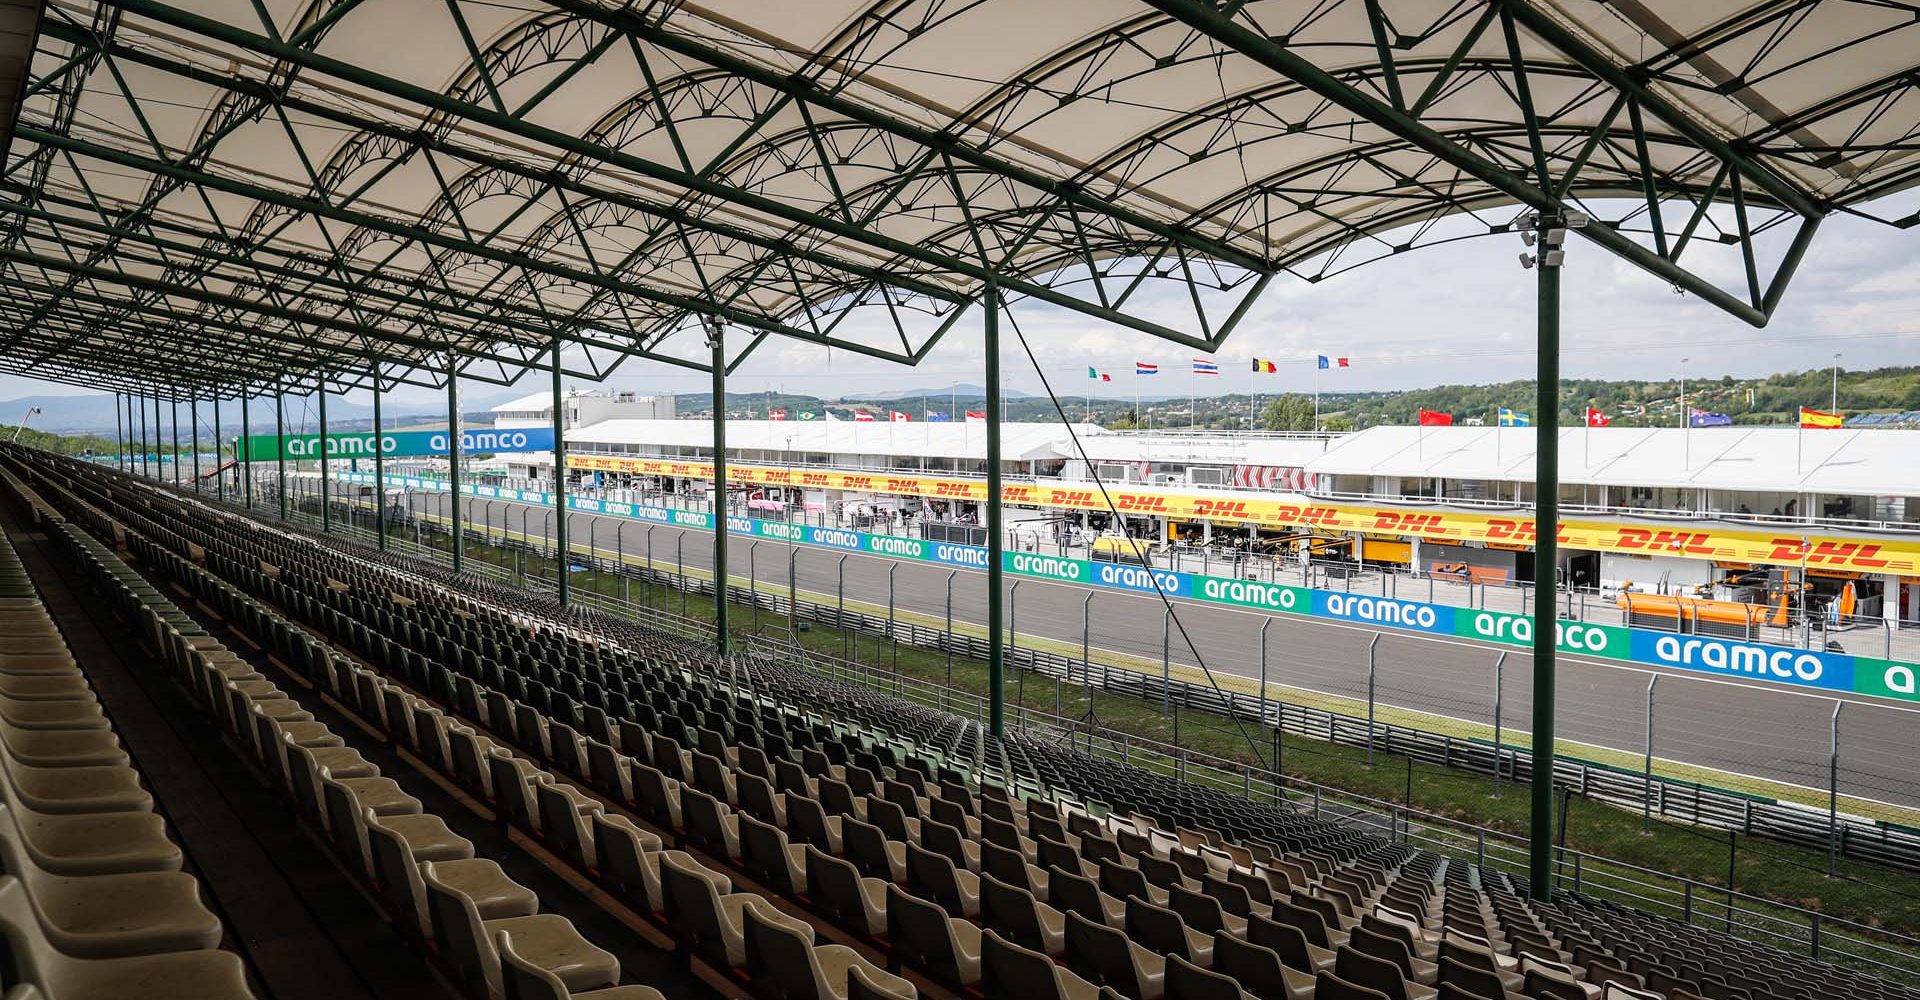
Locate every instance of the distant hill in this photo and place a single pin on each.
(962, 391)
(1774, 399)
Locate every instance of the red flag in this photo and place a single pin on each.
(862, 416)
(1596, 418)
(778, 414)
(980, 415)
(1433, 418)
(1343, 362)
(897, 417)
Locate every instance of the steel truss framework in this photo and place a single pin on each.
(251, 197)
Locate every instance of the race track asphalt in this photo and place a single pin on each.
(1743, 727)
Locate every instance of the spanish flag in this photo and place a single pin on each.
(1819, 419)
(1265, 366)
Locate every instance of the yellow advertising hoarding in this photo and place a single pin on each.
(1788, 546)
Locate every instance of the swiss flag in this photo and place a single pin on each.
(897, 417)
(1596, 418)
(862, 416)
(1434, 418)
(977, 416)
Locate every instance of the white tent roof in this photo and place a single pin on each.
(938, 439)
(1205, 449)
(1761, 459)
(290, 193)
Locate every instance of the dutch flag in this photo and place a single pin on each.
(1202, 366)
(1142, 368)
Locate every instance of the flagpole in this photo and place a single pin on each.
(1250, 403)
(1316, 393)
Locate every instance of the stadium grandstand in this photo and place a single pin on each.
(253, 746)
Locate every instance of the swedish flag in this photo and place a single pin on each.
(1514, 418)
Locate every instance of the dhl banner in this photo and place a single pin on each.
(1800, 668)
(1779, 548)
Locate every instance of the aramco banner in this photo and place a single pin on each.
(306, 447)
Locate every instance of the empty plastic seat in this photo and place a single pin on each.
(523, 980)
(1010, 970)
(547, 941)
(783, 960)
(180, 975)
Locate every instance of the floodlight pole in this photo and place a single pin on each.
(716, 342)
(560, 478)
(996, 544)
(379, 467)
(326, 500)
(453, 455)
(1546, 559)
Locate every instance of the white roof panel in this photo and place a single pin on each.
(1762, 459)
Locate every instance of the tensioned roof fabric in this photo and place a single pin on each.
(221, 193)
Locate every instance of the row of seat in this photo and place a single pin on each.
(463, 908)
(563, 696)
(93, 899)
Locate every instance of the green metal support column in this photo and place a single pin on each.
(145, 465)
(453, 456)
(119, 440)
(246, 432)
(996, 568)
(280, 451)
(326, 500)
(193, 436)
(219, 476)
(716, 342)
(560, 479)
(379, 468)
(1546, 559)
(173, 418)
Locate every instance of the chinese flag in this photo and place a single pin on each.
(1432, 418)
(1596, 418)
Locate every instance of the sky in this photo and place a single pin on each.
(1460, 313)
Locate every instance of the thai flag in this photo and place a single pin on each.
(1142, 368)
(1202, 366)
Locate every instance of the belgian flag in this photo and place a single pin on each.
(1265, 366)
